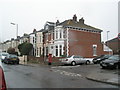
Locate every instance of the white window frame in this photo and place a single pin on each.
(56, 34)
(60, 50)
(94, 50)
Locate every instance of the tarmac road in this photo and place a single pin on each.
(43, 76)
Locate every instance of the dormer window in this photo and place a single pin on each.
(46, 27)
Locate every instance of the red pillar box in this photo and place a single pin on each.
(49, 59)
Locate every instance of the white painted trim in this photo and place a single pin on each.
(67, 43)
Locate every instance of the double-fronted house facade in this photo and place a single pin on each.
(72, 37)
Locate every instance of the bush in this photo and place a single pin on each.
(25, 48)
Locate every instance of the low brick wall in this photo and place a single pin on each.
(37, 59)
(55, 60)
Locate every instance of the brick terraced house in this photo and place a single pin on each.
(72, 37)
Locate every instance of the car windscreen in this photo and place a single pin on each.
(106, 56)
(4, 54)
(13, 56)
(114, 58)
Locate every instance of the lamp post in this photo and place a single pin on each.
(16, 28)
(108, 42)
(16, 33)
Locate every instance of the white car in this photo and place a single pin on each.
(3, 55)
(73, 60)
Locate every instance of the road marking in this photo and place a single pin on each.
(68, 73)
(66, 66)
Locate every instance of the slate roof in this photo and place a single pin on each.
(114, 40)
(73, 23)
(41, 30)
(51, 23)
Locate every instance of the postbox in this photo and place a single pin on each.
(49, 59)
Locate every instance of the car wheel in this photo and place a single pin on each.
(7, 62)
(17, 62)
(97, 62)
(103, 67)
(116, 66)
(73, 63)
(87, 62)
(94, 62)
(2, 61)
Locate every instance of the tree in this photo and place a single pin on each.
(25, 48)
(12, 51)
(20, 48)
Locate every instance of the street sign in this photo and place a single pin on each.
(119, 36)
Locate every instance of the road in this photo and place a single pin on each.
(43, 76)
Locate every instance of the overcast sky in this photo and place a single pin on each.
(30, 14)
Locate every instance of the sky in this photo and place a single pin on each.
(33, 14)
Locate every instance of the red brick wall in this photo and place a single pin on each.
(33, 58)
(41, 59)
(81, 43)
(114, 45)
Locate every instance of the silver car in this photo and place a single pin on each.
(73, 60)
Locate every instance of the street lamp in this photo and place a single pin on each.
(16, 33)
(108, 42)
(16, 28)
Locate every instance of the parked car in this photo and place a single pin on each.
(2, 80)
(3, 55)
(112, 62)
(98, 59)
(73, 60)
(11, 59)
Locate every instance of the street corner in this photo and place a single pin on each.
(104, 78)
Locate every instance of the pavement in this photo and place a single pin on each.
(109, 77)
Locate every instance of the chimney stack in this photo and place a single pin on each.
(81, 20)
(57, 22)
(75, 18)
(34, 30)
